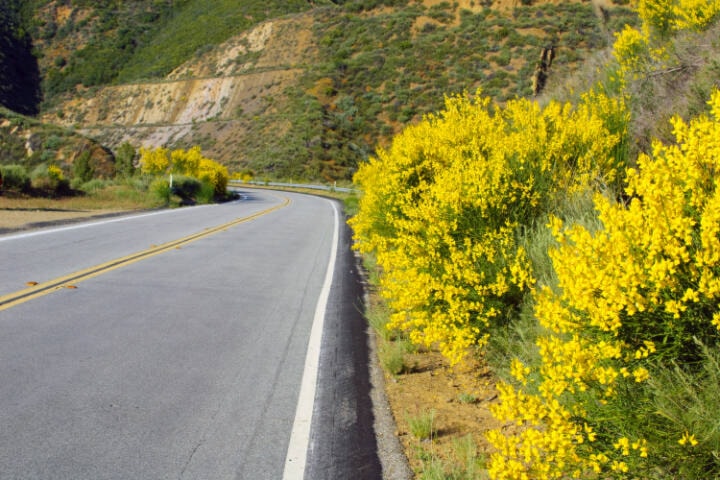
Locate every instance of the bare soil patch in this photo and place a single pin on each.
(459, 396)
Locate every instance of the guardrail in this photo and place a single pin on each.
(327, 188)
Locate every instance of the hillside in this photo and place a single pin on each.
(293, 89)
(31, 143)
(19, 74)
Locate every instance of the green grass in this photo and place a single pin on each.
(421, 425)
(392, 355)
(687, 401)
(467, 464)
(195, 28)
(467, 398)
(377, 318)
(104, 195)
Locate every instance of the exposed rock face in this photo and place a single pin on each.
(206, 101)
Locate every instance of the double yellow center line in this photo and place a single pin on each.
(69, 281)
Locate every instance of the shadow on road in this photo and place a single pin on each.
(343, 439)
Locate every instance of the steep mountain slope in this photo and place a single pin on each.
(19, 74)
(307, 94)
(210, 102)
(97, 43)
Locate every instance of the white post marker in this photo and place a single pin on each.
(300, 435)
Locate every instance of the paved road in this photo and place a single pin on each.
(185, 362)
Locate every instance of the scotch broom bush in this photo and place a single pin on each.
(161, 161)
(638, 296)
(443, 205)
(621, 381)
(628, 354)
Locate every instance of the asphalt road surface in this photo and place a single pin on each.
(173, 345)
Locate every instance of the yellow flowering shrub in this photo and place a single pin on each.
(154, 161)
(656, 16)
(55, 173)
(631, 49)
(442, 207)
(214, 173)
(639, 50)
(186, 162)
(663, 17)
(695, 14)
(641, 291)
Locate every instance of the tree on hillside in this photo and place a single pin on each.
(125, 160)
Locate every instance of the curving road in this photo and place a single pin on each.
(173, 345)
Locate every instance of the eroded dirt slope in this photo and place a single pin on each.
(211, 97)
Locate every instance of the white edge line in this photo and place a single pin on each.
(300, 435)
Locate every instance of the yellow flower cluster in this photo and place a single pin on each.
(638, 50)
(667, 16)
(214, 173)
(55, 173)
(688, 439)
(656, 16)
(154, 161)
(631, 49)
(190, 162)
(649, 280)
(442, 206)
(186, 162)
(695, 14)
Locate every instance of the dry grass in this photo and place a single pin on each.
(18, 212)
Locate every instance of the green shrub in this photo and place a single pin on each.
(421, 426)
(186, 188)
(125, 159)
(161, 191)
(82, 170)
(49, 179)
(206, 194)
(15, 177)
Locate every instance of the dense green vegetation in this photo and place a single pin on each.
(377, 73)
(31, 143)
